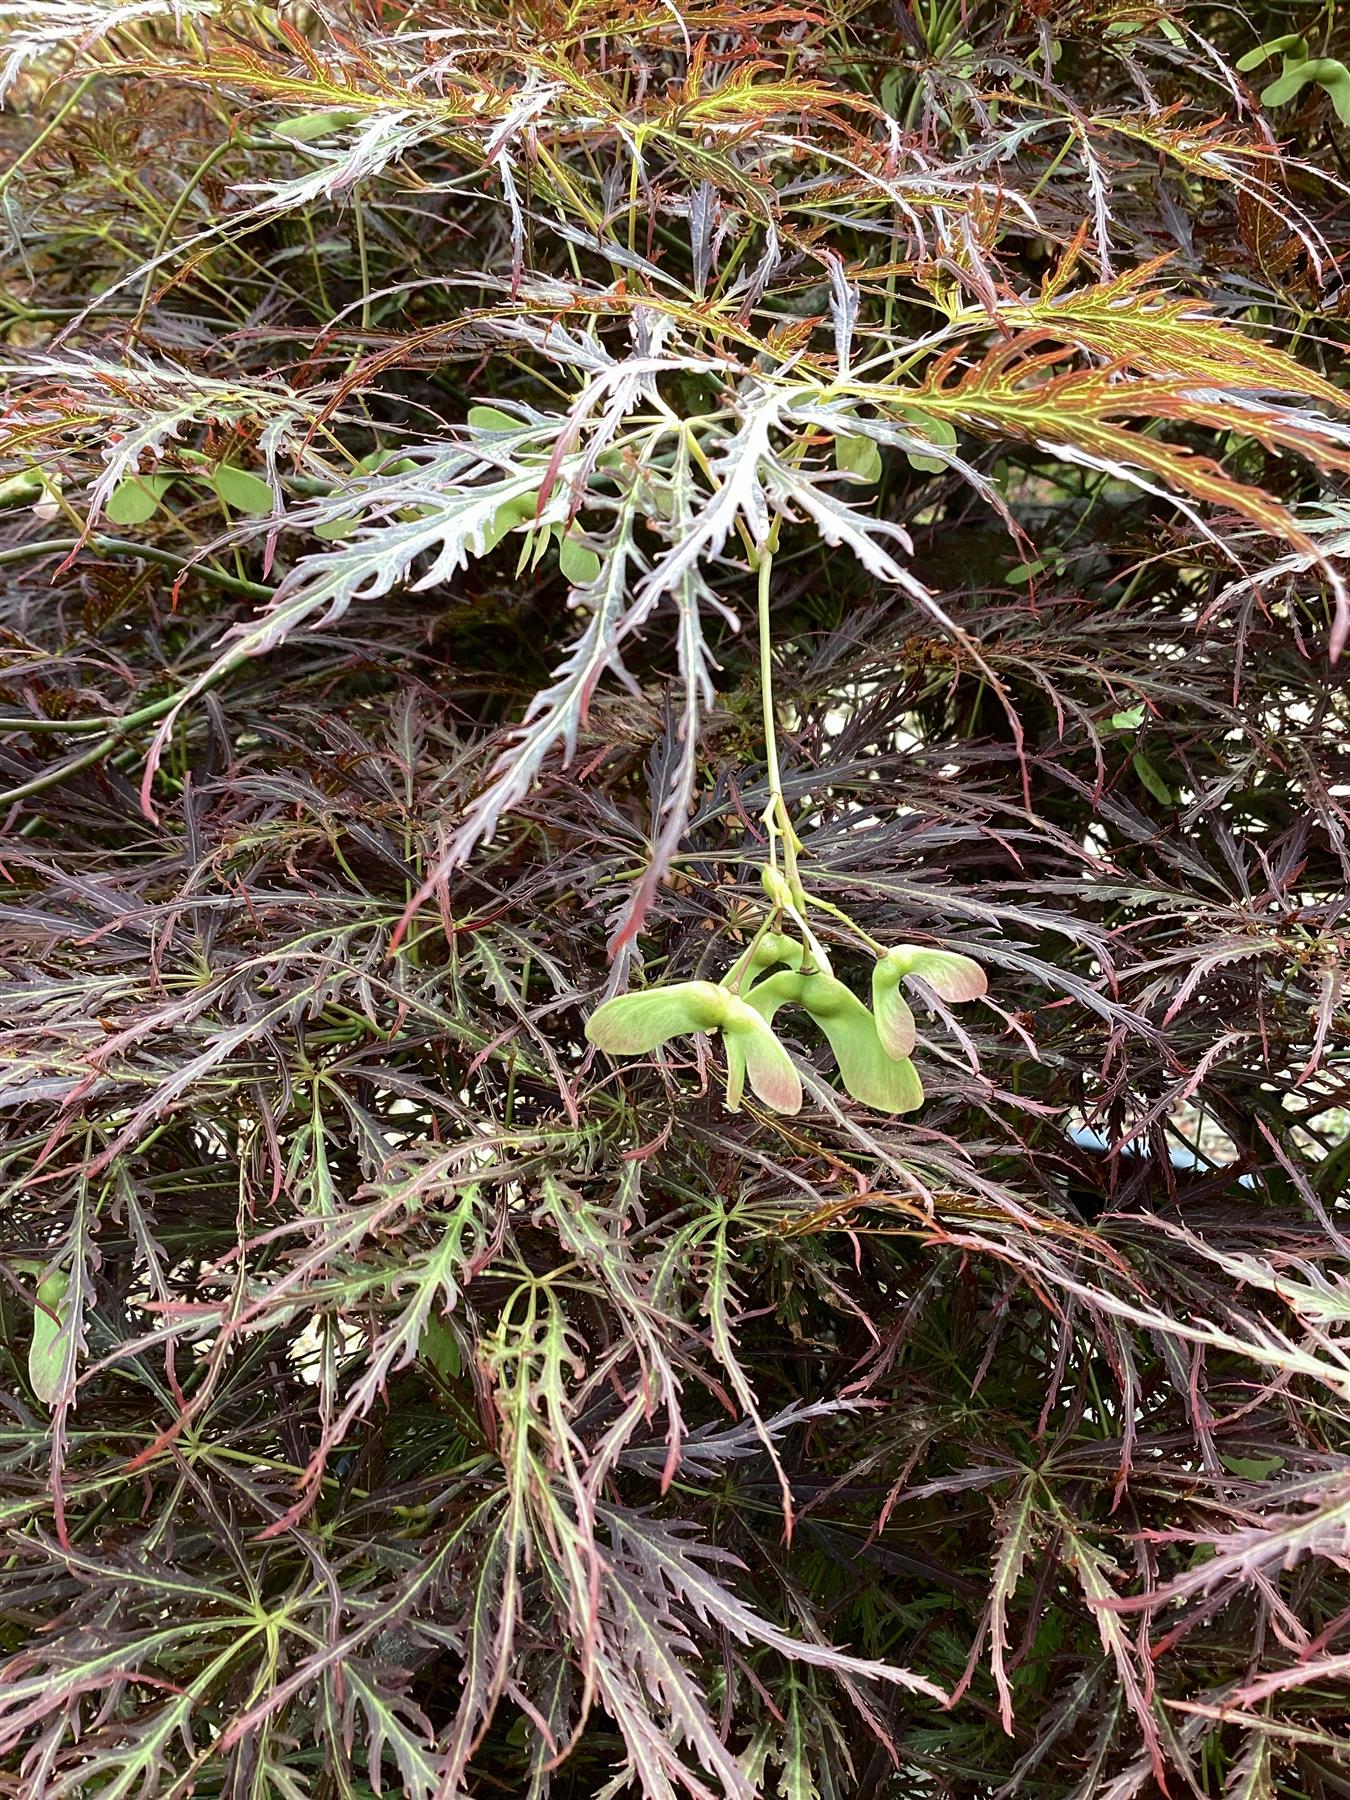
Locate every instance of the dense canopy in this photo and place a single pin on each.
(673, 1046)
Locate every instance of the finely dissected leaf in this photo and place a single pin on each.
(129, 411)
(431, 1284)
(1018, 1531)
(1252, 1774)
(683, 1568)
(655, 1648)
(1094, 1571)
(791, 1745)
(397, 1729)
(1315, 1522)
(33, 31)
(646, 502)
(1130, 322)
(1015, 390)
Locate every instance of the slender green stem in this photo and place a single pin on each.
(359, 217)
(113, 730)
(51, 778)
(735, 975)
(53, 124)
(109, 546)
(837, 912)
(175, 213)
(767, 703)
(786, 890)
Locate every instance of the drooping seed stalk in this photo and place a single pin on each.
(785, 887)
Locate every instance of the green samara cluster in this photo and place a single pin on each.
(871, 1046)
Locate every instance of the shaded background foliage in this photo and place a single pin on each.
(397, 1400)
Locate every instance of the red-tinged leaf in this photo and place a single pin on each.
(1313, 1521)
(1018, 1529)
(489, 1634)
(1015, 391)
(1129, 322)
(1094, 1569)
(1252, 1776)
(427, 1286)
(428, 1368)
(668, 1556)
(656, 1702)
(395, 1727)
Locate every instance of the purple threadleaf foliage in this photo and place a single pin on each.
(673, 1089)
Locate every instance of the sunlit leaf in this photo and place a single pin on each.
(305, 127)
(46, 1356)
(245, 492)
(136, 498)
